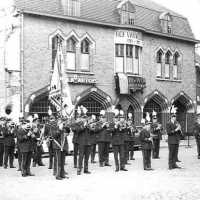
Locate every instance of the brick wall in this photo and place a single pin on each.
(37, 58)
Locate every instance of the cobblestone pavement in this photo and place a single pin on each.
(105, 183)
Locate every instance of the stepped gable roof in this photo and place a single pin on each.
(105, 11)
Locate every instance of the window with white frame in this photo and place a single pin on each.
(129, 58)
(175, 65)
(119, 57)
(85, 55)
(167, 64)
(136, 60)
(71, 54)
(159, 56)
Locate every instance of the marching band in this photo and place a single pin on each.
(88, 133)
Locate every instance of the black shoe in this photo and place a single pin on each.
(198, 157)
(50, 168)
(177, 167)
(178, 161)
(64, 176)
(30, 174)
(5, 167)
(24, 175)
(117, 170)
(41, 164)
(87, 172)
(12, 167)
(132, 159)
(58, 178)
(108, 165)
(123, 169)
(19, 169)
(93, 162)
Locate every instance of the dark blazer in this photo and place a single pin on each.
(9, 137)
(144, 138)
(118, 136)
(25, 142)
(173, 136)
(156, 132)
(104, 135)
(84, 137)
(59, 137)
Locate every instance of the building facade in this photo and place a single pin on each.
(133, 55)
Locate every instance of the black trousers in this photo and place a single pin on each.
(173, 151)
(51, 155)
(1, 153)
(126, 151)
(26, 162)
(37, 155)
(59, 161)
(103, 148)
(131, 149)
(118, 151)
(9, 153)
(198, 146)
(75, 154)
(146, 154)
(19, 158)
(156, 147)
(93, 152)
(84, 153)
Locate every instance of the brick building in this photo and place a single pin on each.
(132, 54)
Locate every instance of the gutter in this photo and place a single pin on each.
(111, 25)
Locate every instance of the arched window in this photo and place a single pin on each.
(56, 42)
(85, 55)
(85, 46)
(167, 64)
(159, 57)
(175, 65)
(71, 54)
(127, 12)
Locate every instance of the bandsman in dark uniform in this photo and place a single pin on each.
(146, 143)
(2, 130)
(156, 129)
(26, 137)
(60, 146)
(173, 131)
(9, 144)
(131, 133)
(197, 133)
(103, 140)
(93, 136)
(118, 140)
(49, 127)
(84, 143)
(75, 137)
(39, 136)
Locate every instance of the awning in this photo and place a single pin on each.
(123, 83)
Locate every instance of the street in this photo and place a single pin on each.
(105, 183)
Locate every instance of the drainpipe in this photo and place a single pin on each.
(22, 63)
